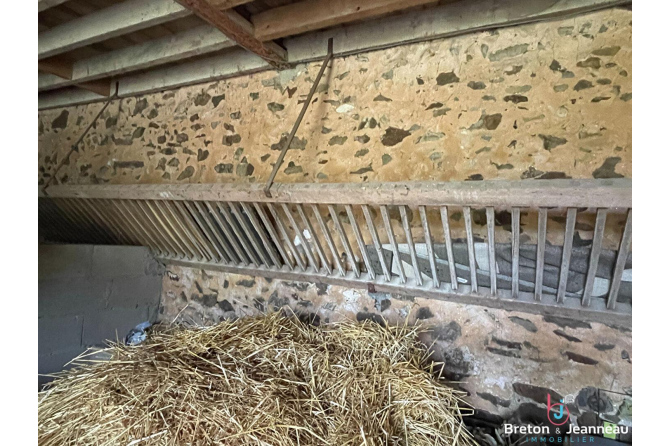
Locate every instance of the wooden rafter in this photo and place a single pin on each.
(238, 29)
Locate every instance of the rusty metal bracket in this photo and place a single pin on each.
(282, 154)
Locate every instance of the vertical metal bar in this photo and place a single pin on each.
(287, 239)
(161, 229)
(230, 257)
(210, 240)
(359, 240)
(198, 239)
(148, 227)
(541, 244)
(567, 253)
(186, 233)
(301, 237)
(429, 245)
(232, 238)
(261, 233)
(315, 240)
(156, 208)
(273, 235)
(249, 233)
(516, 229)
(598, 231)
(329, 239)
(410, 244)
(375, 240)
(444, 214)
(239, 237)
(467, 216)
(394, 245)
(491, 227)
(344, 239)
(622, 256)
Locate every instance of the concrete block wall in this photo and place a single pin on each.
(90, 293)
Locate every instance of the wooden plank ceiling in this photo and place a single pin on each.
(86, 46)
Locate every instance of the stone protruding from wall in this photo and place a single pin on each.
(91, 293)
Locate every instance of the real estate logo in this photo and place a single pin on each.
(561, 413)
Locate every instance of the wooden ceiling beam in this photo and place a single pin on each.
(309, 15)
(236, 28)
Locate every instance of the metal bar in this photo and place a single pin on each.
(161, 229)
(198, 239)
(261, 233)
(282, 154)
(250, 235)
(344, 239)
(444, 214)
(410, 244)
(329, 239)
(178, 223)
(238, 236)
(467, 216)
(301, 237)
(394, 245)
(567, 253)
(209, 237)
(429, 245)
(274, 235)
(596, 245)
(230, 257)
(621, 258)
(541, 245)
(359, 240)
(312, 234)
(282, 229)
(375, 240)
(491, 242)
(516, 229)
(157, 209)
(232, 238)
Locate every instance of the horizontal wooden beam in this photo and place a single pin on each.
(604, 193)
(119, 19)
(194, 42)
(447, 20)
(236, 28)
(308, 15)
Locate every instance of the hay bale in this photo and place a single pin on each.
(268, 380)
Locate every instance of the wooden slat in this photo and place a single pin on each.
(56, 66)
(238, 237)
(596, 245)
(207, 218)
(300, 17)
(159, 211)
(375, 241)
(394, 245)
(444, 214)
(301, 237)
(314, 239)
(595, 193)
(226, 228)
(429, 245)
(621, 258)
(170, 211)
(273, 235)
(238, 29)
(209, 239)
(359, 240)
(491, 242)
(194, 230)
(249, 233)
(43, 5)
(410, 245)
(515, 251)
(329, 239)
(149, 227)
(264, 239)
(541, 245)
(287, 239)
(567, 253)
(344, 239)
(162, 228)
(467, 215)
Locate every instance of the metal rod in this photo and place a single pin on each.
(315, 240)
(410, 244)
(273, 235)
(375, 240)
(429, 245)
(491, 227)
(329, 239)
(596, 245)
(444, 214)
(467, 216)
(621, 258)
(344, 239)
(359, 240)
(516, 229)
(392, 240)
(567, 253)
(541, 245)
(282, 154)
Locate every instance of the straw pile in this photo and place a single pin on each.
(268, 380)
